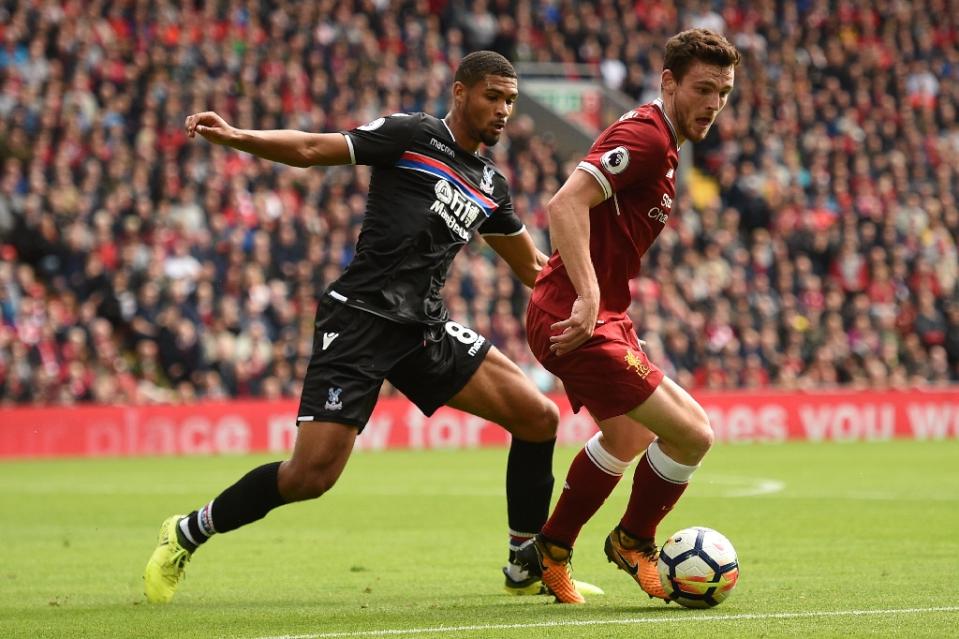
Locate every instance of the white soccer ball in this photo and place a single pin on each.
(698, 567)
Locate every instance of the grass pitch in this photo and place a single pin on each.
(834, 540)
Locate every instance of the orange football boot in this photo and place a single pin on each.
(638, 557)
(552, 562)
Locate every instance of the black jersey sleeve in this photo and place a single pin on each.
(504, 220)
(382, 141)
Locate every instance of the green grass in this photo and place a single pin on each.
(414, 541)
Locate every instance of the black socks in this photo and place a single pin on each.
(246, 501)
(529, 485)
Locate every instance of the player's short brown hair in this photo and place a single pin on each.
(479, 64)
(700, 45)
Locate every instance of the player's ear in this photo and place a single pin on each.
(459, 93)
(668, 82)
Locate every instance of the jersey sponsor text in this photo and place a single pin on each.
(458, 211)
(439, 146)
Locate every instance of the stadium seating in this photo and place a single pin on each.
(814, 246)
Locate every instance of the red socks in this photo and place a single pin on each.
(651, 498)
(658, 483)
(591, 478)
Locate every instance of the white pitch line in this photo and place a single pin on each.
(750, 486)
(762, 487)
(618, 622)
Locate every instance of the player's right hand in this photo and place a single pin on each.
(209, 125)
(576, 329)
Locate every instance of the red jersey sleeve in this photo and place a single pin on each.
(629, 151)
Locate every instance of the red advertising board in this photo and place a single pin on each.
(260, 426)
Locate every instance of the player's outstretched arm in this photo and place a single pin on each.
(568, 213)
(296, 148)
(520, 253)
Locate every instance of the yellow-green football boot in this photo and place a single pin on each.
(167, 564)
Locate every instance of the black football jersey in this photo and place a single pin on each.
(427, 196)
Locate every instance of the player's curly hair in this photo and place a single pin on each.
(479, 64)
(700, 45)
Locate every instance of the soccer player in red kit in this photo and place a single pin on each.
(602, 221)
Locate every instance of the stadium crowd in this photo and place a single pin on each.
(815, 245)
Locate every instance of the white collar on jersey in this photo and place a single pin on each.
(662, 108)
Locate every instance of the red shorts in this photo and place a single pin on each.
(609, 374)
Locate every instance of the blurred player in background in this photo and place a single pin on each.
(602, 221)
(384, 318)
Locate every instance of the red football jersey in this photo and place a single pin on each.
(634, 161)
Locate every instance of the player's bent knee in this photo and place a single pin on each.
(699, 437)
(539, 426)
(550, 419)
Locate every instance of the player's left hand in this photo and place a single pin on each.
(209, 125)
(575, 330)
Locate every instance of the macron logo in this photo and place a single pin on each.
(669, 174)
(328, 339)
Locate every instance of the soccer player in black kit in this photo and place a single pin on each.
(384, 317)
